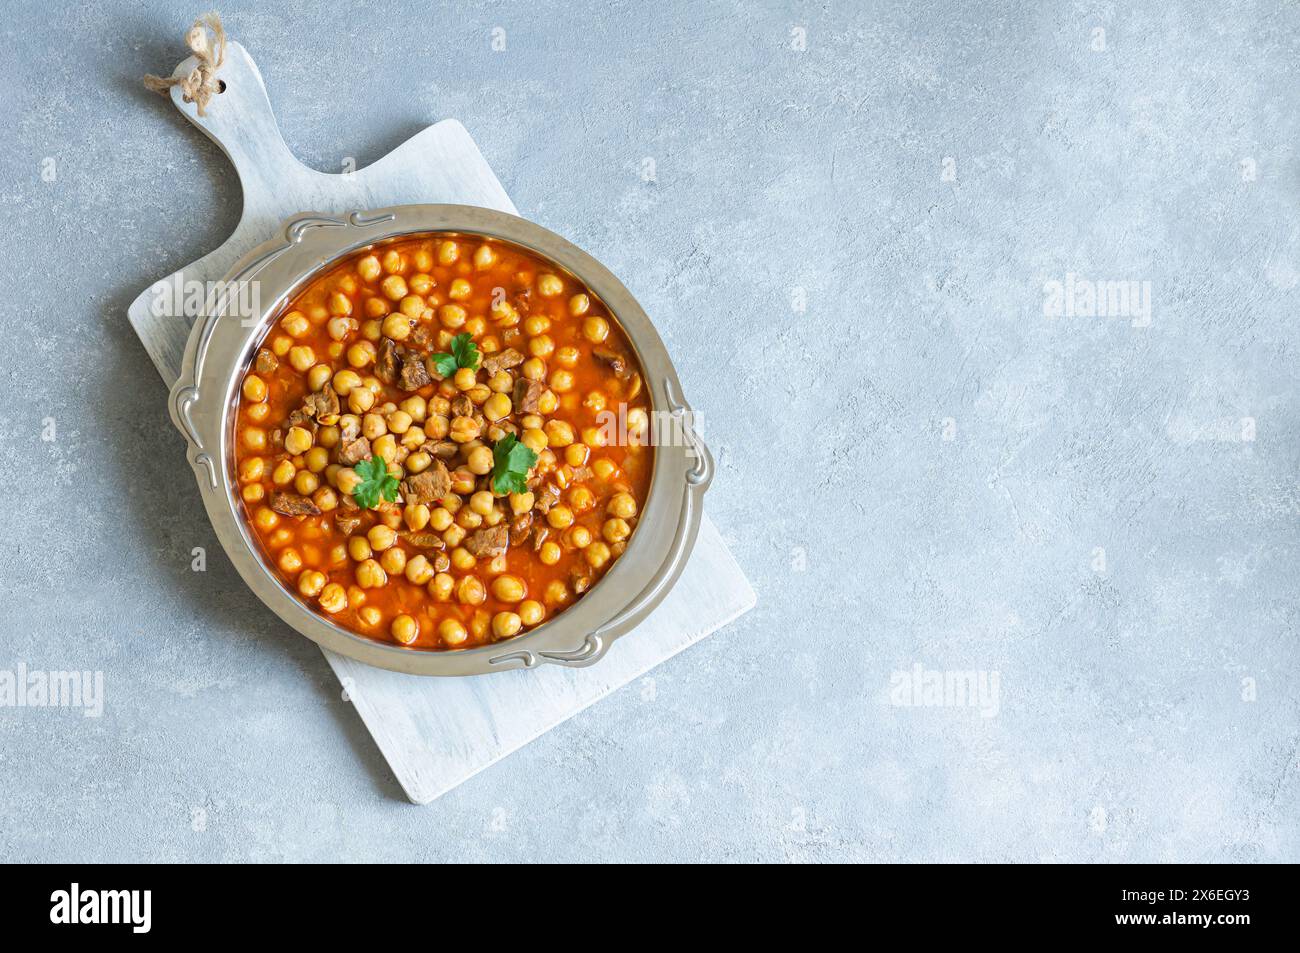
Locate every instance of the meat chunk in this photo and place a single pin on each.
(546, 497)
(462, 406)
(442, 449)
(421, 337)
(347, 521)
(614, 360)
(354, 451)
(520, 528)
(266, 362)
(387, 363)
(427, 487)
(527, 394)
(414, 374)
(322, 405)
(489, 542)
(291, 504)
(502, 361)
(580, 579)
(426, 541)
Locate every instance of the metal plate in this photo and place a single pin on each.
(222, 342)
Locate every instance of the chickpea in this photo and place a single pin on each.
(595, 436)
(306, 482)
(521, 503)
(333, 598)
(371, 330)
(412, 306)
(506, 624)
(464, 429)
(393, 561)
(448, 252)
(548, 286)
(394, 287)
(416, 516)
(581, 499)
(579, 304)
(576, 454)
(594, 401)
(295, 324)
(470, 591)
(578, 537)
(380, 537)
(440, 519)
(348, 480)
(283, 473)
(550, 553)
(541, 346)
(418, 569)
(253, 493)
(462, 559)
(501, 383)
(561, 381)
(604, 469)
(531, 611)
(254, 438)
(416, 407)
(361, 400)
(597, 554)
(469, 519)
(557, 593)
(397, 326)
(484, 257)
(558, 433)
(481, 502)
(452, 632)
(319, 376)
(258, 412)
(253, 468)
(254, 388)
(547, 403)
(595, 329)
(266, 519)
(464, 378)
(325, 499)
(497, 407)
(311, 582)
(361, 354)
(302, 357)
(280, 345)
(345, 380)
(534, 440)
(615, 530)
(370, 575)
(452, 316)
(340, 328)
(298, 440)
(480, 461)
(404, 629)
(567, 356)
(368, 268)
(509, 588)
(373, 426)
(622, 505)
(399, 421)
(560, 517)
(370, 616)
(359, 548)
(440, 586)
(534, 369)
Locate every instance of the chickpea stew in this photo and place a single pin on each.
(443, 442)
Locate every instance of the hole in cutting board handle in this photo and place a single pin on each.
(221, 86)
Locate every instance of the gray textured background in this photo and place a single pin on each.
(917, 469)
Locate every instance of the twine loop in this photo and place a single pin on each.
(207, 41)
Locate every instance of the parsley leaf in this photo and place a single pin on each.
(376, 481)
(511, 461)
(464, 353)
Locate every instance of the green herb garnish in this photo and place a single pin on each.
(376, 481)
(464, 353)
(511, 461)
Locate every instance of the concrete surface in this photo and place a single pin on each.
(920, 470)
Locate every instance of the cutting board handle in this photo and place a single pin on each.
(240, 121)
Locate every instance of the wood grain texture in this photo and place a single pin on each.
(434, 733)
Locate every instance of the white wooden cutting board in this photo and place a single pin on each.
(434, 733)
